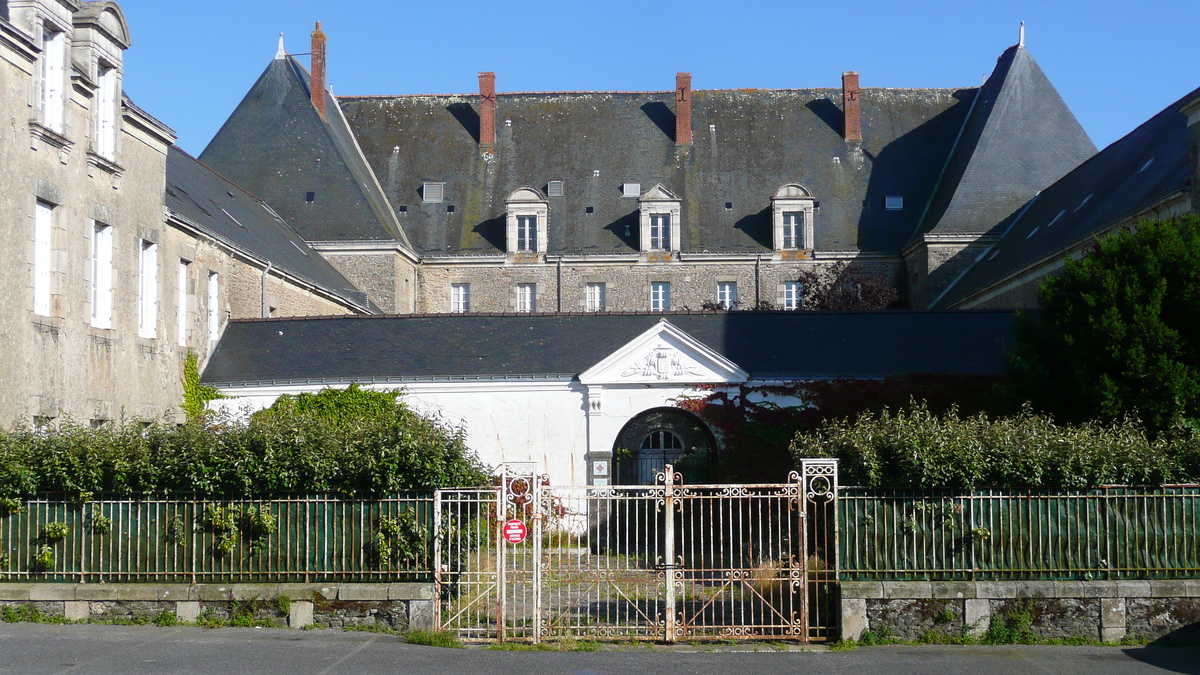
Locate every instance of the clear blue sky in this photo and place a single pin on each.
(1115, 63)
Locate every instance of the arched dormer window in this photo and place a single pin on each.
(527, 213)
(659, 218)
(101, 27)
(792, 209)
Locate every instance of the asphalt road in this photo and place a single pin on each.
(32, 648)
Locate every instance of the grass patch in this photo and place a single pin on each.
(844, 646)
(369, 628)
(439, 638)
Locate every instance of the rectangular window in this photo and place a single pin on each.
(793, 225)
(727, 294)
(660, 231)
(595, 297)
(181, 310)
(102, 273)
(460, 298)
(893, 203)
(43, 231)
(147, 289)
(53, 76)
(214, 310)
(526, 233)
(526, 297)
(106, 114)
(660, 296)
(793, 295)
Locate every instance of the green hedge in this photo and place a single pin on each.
(914, 448)
(350, 442)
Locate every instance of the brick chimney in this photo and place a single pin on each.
(317, 83)
(851, 108)
(683, 108)
(487, 110)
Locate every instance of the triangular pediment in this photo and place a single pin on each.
(658, 193)
(664, 354)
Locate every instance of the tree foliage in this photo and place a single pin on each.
(1119, 331)
(352, 442)
(914, 448)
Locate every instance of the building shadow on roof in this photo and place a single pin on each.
(467, 117)
(828, 112)
(662, 116)
(492, 231)
(908, 167)
(757, 226)
(626, 229)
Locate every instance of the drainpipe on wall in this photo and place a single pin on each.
(266, 271)
(558, 282)
(757, 294)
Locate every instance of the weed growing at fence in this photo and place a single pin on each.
(1013, 625)
(283, 604)
(209, 619)
(101, 524)
(166, 619)
(432, 638)
(55, 531)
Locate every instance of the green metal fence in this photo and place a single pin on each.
(1107, 533)
(312, 539)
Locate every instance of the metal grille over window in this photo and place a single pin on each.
(433, 193)
(554, 188)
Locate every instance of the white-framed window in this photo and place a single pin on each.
(214, 309)
(660, 296)
(660, 231)
(106, 113)
(727, 294)
(595, 297)
(102, 273)
(526, 297)
(147, 288)
(182, 299)
(460, 298)
(793, 295)
(793, 227)
(52, 97)
(527, 238)
(43, 233)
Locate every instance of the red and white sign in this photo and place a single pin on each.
(515, 531)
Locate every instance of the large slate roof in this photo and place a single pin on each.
(747, 144)
(765, 344)
(1020, 138)
(1132, 174)
(221, 209)
(276, 145)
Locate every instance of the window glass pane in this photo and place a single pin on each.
(214, 317)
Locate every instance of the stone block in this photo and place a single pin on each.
(300, 614)
(977, 615)
(77, 610)
(854, 618)
(14, 592)
(1083, 589)
(907, 589)
(1114, 634)
(1193, 588)
(252, 591)
(420, 615)
(410, 591)
(211, 592)
(302, 591)
(1133, 589)
(58, 592)
(363, 592)
(1112, 612)
(862, 589)
(1032, 589)
(953, 590)
(187, 610)
(998, 590)
(1158, 589)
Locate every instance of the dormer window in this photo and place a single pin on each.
(527, 212)
(51, 94)
(659, 217)
(792, 210)
(106, 113)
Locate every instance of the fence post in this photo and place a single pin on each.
(669, 550)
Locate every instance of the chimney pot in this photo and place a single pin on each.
(683, 108)
(851, 108)
(487, 110)
(317, 81)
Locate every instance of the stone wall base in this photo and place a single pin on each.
(399, 606)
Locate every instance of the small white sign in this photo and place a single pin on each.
(600, 468)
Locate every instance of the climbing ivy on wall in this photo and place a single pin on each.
(195, 395)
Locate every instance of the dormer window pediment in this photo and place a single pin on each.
(527, 212)
(660, 213)
(793, 208)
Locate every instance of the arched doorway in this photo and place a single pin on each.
(662, 436)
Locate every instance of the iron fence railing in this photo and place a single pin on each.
(1105, 533)
(304, 539)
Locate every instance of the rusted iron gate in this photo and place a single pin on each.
(664, 562)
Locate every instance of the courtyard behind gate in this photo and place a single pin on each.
(668, 561)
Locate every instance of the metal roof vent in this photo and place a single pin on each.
(1060, 215)
(1084, 202)
(554, 188)
(893, 203)
(432, 192)
(1146, 165)
(1035, 231)
(633, 190)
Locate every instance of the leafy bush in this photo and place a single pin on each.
(166, 619)
(350, 442)
(55, 531)
(913, 448)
